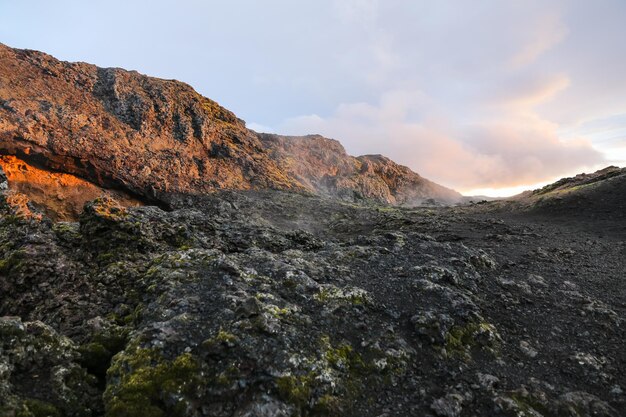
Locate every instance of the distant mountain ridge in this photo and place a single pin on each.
(323, 164)
(153, 138)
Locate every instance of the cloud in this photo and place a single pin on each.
(359, 11)
(548, 31)
(259, 127)
(608, 134)
(522, 149)
(462, 104)
(528, 91)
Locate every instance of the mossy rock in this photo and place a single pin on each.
(67, 232)
(530, 406)
(143, 383)
(37, 408)
(460, 341)
(347, 296)
(307, 389)
(13, 261)
(295, 389)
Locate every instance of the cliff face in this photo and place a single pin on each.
(122, 129)
(60, 196)
(152, 137)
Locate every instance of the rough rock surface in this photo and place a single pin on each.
(153, 137)
(599, 194)
(282, 304)
(593, 201)
(60, 196)
(322, 164)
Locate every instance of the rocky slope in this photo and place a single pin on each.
(282, 304)
(597, 194)
(597, 200)
(60, 196)
(122, 129)
(153, 137)
(322, 164)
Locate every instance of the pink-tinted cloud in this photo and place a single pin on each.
(520, 149)
(526, 92)
(480, 124)
(548, 31)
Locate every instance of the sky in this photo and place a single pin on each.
(487, 97)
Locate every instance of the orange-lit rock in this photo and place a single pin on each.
(156, 138)
(61, 196)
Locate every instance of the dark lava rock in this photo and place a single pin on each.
(273, 303)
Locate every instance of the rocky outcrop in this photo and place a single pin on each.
(322, 164)
(599, 196)
(153, 138)
(60, 196)
(119, 128)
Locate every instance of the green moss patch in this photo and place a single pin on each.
(143, 383)
(331, 381)
(37, 408)
(460, 341)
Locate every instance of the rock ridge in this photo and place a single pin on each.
(154, 137)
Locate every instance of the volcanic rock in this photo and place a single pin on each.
(152, 138)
